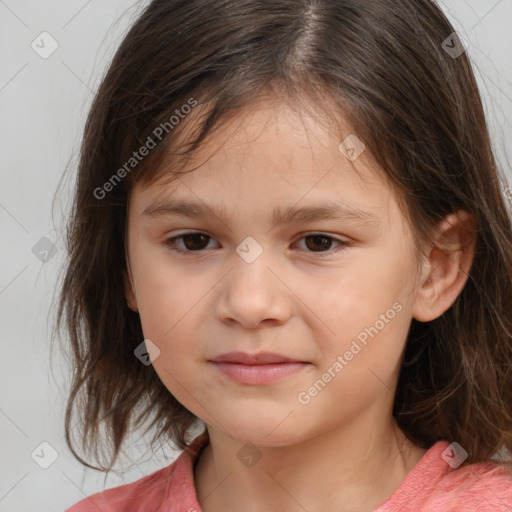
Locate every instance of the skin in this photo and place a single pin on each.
(300, 298)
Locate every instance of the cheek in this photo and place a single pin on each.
(360, 293)
(169, 315)
(172, 304)
(360, 363)
(368, 311)
(166, 293)
(368, 335)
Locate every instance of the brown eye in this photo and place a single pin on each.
(318, 242)
(195, 242)
(322, 244)
(189, 242)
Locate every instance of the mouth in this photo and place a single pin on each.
(257, 369)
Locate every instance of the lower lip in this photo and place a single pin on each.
(258, 373)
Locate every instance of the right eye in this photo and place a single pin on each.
(193, 242)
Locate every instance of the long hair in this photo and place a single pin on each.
(397, 72)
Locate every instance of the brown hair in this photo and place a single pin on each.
(384, 68)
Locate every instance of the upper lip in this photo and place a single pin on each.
(259, 358)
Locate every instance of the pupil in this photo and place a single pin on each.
(195, 238)
(316, 238)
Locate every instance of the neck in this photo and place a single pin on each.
(354, 468)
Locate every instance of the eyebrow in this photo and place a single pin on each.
(329, 210)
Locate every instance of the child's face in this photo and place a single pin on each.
(344, 311)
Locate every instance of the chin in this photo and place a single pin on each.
(269, 432)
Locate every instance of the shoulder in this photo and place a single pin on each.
(152, 491)
(434, 486)
(135, 496)
(484, 487)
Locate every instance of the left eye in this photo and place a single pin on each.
(322, 241)
(197, 242)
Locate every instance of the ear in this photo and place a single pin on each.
(129, 293)
(445, 271)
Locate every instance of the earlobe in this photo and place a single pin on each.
(129, 293)
(447, 267)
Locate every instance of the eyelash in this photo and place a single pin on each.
(171, 243)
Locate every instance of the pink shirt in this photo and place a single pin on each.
(431, 486)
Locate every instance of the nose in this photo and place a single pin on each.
(254, 293)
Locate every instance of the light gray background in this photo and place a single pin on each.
(43, 104)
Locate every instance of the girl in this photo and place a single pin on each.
(289, 227)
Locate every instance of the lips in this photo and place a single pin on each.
(260, 358)
(259, 369)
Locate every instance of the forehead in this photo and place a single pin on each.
(273, 156)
